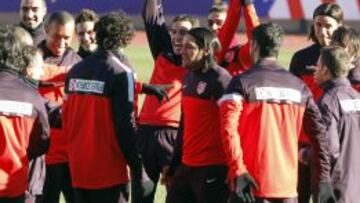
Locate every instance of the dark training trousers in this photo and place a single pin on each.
(304, 183)
(115, 194)
(19, 199)
(156, 144)
(57, 180)
(205, 184)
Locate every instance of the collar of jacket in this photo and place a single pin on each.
(337, 82)
(83, 53)
(35, 32)
(269, 63)
(31, 82)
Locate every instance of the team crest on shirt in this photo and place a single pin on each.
(201, 87)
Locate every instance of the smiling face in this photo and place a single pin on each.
(59, 37)
(86, 35)
(32, 13)
(192, 55)
(324, 27)
(177, 33)
(216, 20)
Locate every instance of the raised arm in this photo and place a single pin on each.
(228, 30)
(156, 31)
(251, 21)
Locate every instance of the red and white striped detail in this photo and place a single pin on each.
(299, 9)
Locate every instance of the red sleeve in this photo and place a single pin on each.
(230, 109)
(138, 87)
(251, 21)
(228, 30)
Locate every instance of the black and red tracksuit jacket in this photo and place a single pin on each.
(233, 56)
(201, 116)
(52, 88)
(24, 132)
(303, 66)
(167, 70)
(98, 117)
(262, 114)
(340, 109)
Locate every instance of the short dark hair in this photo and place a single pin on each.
(194, 21)
(86, 15)
(326, 9)
(43, 2)
(60, 17)
(205, 38)
(218, 8)
(348, 38)
(114, 30)
(11, 54)
(268, 37)
(336, 59)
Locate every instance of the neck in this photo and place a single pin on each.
(35, 30)
(268, 58)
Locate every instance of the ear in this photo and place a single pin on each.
(27, 71)
(206, 51)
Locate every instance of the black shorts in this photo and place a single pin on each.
(156, 144)
(115, 194)
(205, 184)
(19, 199)
(57, 181)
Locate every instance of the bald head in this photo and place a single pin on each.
(59, 29)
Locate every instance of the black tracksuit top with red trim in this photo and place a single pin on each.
(201, 140)
(98, 118)
(340, 108)
(167, 70)
(24, 132)
(263, 112)
(55, 70)
(300, 66)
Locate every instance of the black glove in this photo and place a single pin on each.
(326, 194)
(246, 2)
(141, 184)
(54, 116)
(157, 90)
(243, 186)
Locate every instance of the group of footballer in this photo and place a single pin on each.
(221, 121)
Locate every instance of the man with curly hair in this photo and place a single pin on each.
(85, 30)
(100, 122)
